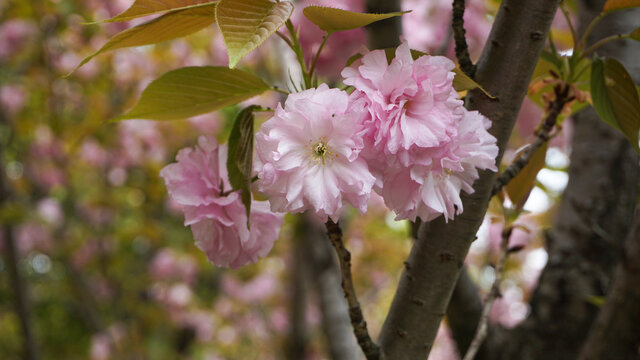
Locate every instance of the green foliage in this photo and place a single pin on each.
(169, 26)
(143, 8)
(245, 24)
(191, 91)
(332, 20)
(615, 97)
(240, 157)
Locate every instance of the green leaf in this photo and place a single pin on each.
(332, 20)
(613, 5)
(461, 82)
(142, 8)
(240, 159)
(245, 24)
(191, 91)
(520, 186)
(615, 97)
(167, 27)
(635, 34)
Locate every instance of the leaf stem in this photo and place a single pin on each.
(587, 32)
(568, 19)
(315, 59)
(601, 42)
(370, 349)
(299, 54)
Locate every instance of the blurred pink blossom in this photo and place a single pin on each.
(14, 35)
(50, 210)
(257, 290)
(167, 264)
(12, 98)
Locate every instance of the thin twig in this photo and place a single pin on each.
(555, 108)
(370, 349)
(481, 332)
(462, 49)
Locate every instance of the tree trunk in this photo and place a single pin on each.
(506, 65)
(593, 221)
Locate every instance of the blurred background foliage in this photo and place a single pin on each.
(109, 268)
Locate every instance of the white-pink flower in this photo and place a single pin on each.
(422, 145)
(218, 219)
(431, 186)
(308, 154)
(412, 103)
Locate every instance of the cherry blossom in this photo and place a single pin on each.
(217, 217)
(308, 154)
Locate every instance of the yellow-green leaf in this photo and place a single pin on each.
(167, 27)
(142, 8)
(613, 5)
(331, 19)
(245, 24)
(520, 186)
(615, 97)
(462, 82)
(191, 91)
(635, 34)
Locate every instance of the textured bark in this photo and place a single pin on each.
(616, 332)
(386, 33)
(504, 69)
(594, 218)
(325, 278)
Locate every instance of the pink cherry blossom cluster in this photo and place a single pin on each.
(218, 220)
(402, 132)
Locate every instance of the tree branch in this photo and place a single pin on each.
(462, 49)
(370, 349)
(494, 293)
(555, 108)
(504, 69)
(325, 274)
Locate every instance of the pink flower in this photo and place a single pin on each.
(198, 181)
(308, 154)
(422, 145)
(412, 103)
(431, 185)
